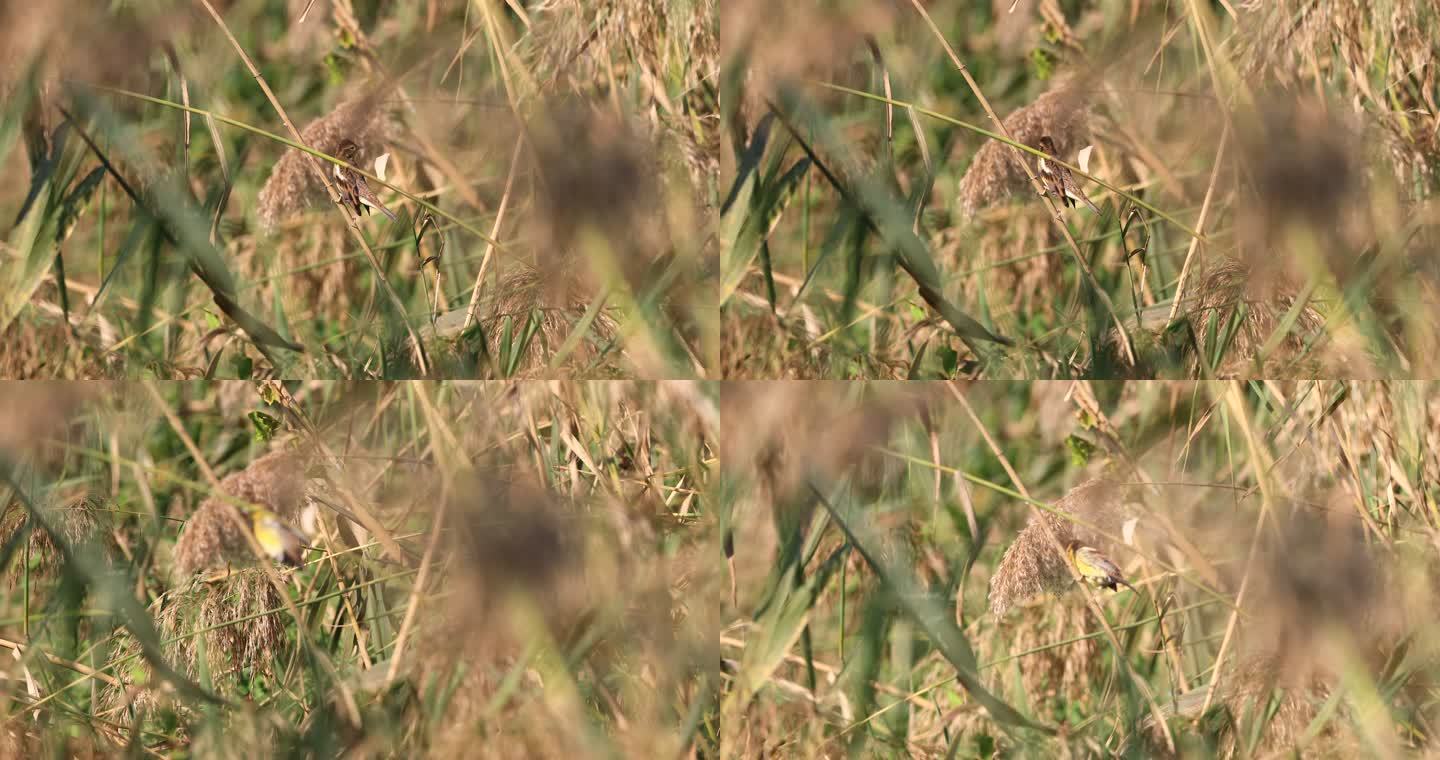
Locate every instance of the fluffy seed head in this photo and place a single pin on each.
(295, 183)
(232, 650)
(1031, 566)
(1232, 288)
(1061, 113)
(213, 536)
(78, 521)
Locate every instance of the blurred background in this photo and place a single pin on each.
(487, 569)
(1265, 172)
(894, 590)
(553, 167)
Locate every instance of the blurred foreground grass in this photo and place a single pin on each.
(496, 570)
(553, 165)
(891, 600)
(1266, 174)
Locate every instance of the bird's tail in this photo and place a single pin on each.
(1096, 209)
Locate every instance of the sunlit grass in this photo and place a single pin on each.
(177, 231)
(1264, 208)
(522, 568)
(892, 600)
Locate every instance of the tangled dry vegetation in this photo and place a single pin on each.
(491, 570)
(901, 596)
(1268, 169)
(165, 224)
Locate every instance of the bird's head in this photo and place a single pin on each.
(348, 152)
(1046, 145)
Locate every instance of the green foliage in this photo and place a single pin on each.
(871, 619)
(1269, 286)
(178, 200)
(353, 650)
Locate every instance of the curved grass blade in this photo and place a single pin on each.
(49, 213)
(927, 611)
(749, 165)
(70, 212)
(184, 228)
(782, 619)
(891, 220)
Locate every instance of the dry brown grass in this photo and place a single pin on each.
(747, 330)
(219, 618)
(558, 298)
(1232, 296)
(1258, 685)
(1288, 42)
(1320, 190)
(1323, 653)
(578, 47)
(43, 349)
(527, 561)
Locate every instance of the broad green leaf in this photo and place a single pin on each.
(32, 245)
(265, 426)
(777, 630)
(758, 223)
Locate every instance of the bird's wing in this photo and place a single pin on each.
(1074, 193)
(1100, 562)
(348, 197)
(367, 196)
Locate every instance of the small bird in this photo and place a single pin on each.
(354, 190)
(282, 543)
(1095, 567)
(1057, 179)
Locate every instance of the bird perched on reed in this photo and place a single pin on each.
(354, 190)
(1057, 180)
(280, 542)
(1095, 567)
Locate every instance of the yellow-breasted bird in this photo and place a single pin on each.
(1095, 567)
(282, 543)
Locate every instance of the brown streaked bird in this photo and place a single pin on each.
(354, 190)
(1057, 179)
